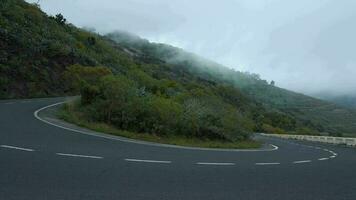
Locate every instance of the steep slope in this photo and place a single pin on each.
(310, 112)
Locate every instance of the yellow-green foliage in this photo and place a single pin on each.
(77, 75)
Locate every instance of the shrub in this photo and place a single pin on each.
(78, 76)
(88, 93)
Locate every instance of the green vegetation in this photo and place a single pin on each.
(35, 49)
(163, 108)
(144, 90)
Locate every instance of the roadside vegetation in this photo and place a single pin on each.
(72, 113)
(159, 110)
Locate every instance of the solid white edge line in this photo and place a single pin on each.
(213, 163)
(77, 155)
(122, 139)
(323, 159)
(147, 161)
(302, 161)
(276, 163)
(17, 148)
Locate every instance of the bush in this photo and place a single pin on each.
(274, 130)
(89, 93)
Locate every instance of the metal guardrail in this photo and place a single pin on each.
(324, 139)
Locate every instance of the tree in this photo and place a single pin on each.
(60, 19)
(273, 83)
(91, 40)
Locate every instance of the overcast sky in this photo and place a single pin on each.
(304, 45)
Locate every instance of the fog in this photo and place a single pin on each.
(306, 46)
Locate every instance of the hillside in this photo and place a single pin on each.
(36, 49)
(138, 86)
(311, 112)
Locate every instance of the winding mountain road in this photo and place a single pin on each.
(43, 159)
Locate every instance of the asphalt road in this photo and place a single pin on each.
(41, 161)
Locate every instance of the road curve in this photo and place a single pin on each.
(42, 161)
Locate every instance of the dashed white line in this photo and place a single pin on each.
(17, 148)
(8, 103)
(77, 155)
(323, 159)
(302, 161)
(275, 163)
(147, 161)
(212, 163)
(332, 156)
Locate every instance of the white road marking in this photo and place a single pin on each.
(81, 156)
(302, 161)
(332, 156)
(274, 147)
(211, 163)
(267, 163)
(148, 161)
(17, 148)
(323, 159)
(8, 103)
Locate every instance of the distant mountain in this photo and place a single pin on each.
(36, 50)
(348, 101)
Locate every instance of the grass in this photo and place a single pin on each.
(70, 114)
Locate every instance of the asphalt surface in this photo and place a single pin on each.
(41, 161)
